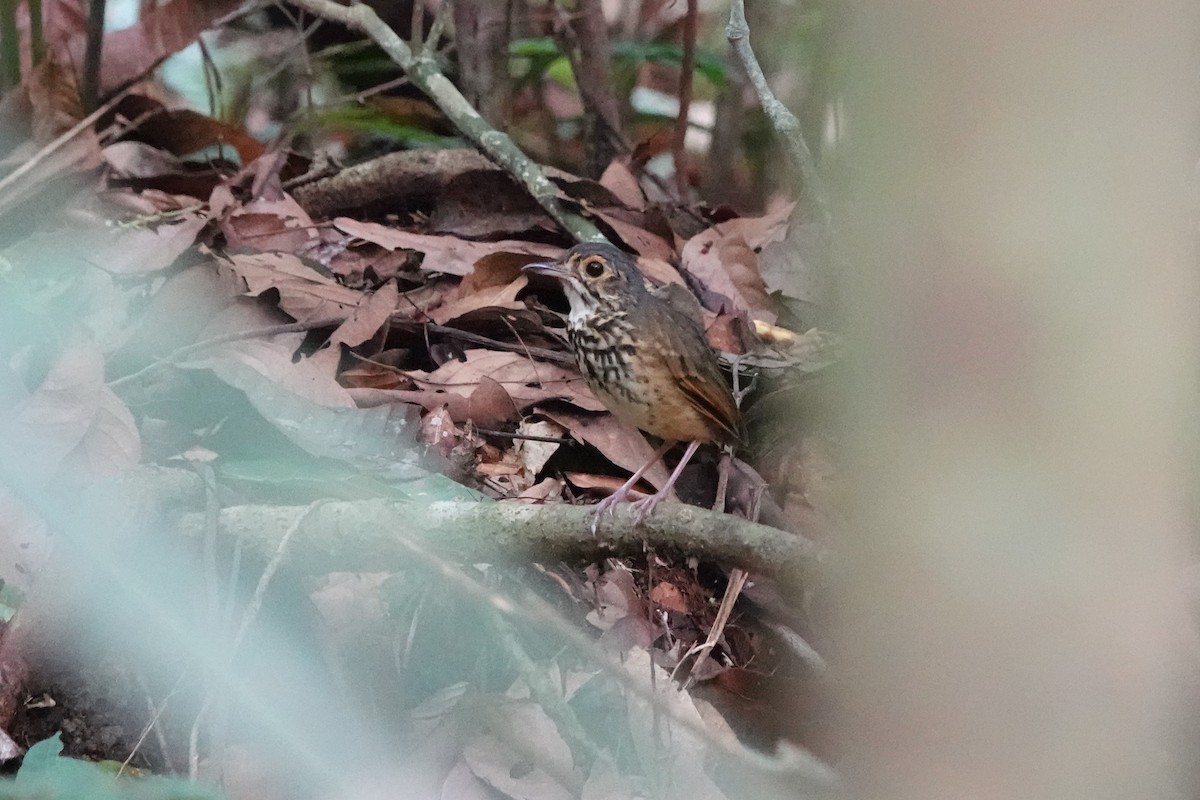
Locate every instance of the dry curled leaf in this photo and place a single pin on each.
(526, 381)
(304, 293)
(447, 254)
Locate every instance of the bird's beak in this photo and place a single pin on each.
(551, 268)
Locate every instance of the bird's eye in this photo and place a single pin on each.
(593, 268)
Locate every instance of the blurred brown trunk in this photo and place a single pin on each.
(601, 115)
(482, 31)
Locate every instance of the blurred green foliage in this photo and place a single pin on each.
(46, 775)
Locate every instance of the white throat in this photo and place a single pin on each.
(583, 304)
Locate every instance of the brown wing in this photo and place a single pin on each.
(694, 366)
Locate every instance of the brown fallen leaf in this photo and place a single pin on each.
(372, 313)
(490, 405)
(619, 179)
(492, 297)
(526, 382)
(447, 254)
(667, 595)
(641, 240)
(180, 131)
(726, 266)
(263, 224)
(546, 489)
(304, 293)
(621, 444)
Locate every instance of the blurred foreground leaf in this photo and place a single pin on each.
(46, 775)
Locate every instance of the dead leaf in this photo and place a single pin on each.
(510, 770)
(726, 266)
(371, 314)
(263, 224)
(182, 131)
(545, 490)
(661, 272)
(447, 254)
(619, 179)
(461, 784)
(54, 95)
(535, 454)
(614, 596)
(667, 595)
(620, 443)
(272, 360)
(111, 445)
(116, 249)
(527, 382)
(490, 405)
(130, 159)
(493, 297)
(304, 293)
(639, 239)
(73, 425)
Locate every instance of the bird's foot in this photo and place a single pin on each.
(608, 505)
(645, 507)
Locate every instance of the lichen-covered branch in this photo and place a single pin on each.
(362, 535)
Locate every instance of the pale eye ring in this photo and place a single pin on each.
(593, 268)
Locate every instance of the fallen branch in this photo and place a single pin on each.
(424, 72)
(362, 535)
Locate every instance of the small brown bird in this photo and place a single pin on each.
(644, 358)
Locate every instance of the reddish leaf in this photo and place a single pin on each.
(263, 224)
(447, 254)
(641, 240)
(490, 405)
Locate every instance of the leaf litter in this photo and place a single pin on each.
(420, 358)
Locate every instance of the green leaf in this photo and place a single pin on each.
(369, 120)
(46, 775)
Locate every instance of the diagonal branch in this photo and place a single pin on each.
(424, 72)
(782, 120)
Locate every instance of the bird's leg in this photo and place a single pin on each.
(619, 496)
(644, 507)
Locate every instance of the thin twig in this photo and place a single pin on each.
(782, 120)
(553, 356)
(90, 91)
(152, 725)
(526, 437)
(180, 353)
(41, 155)
(249, 615)
(686, 69)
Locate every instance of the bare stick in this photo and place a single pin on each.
(782, 120)
(686, 69)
